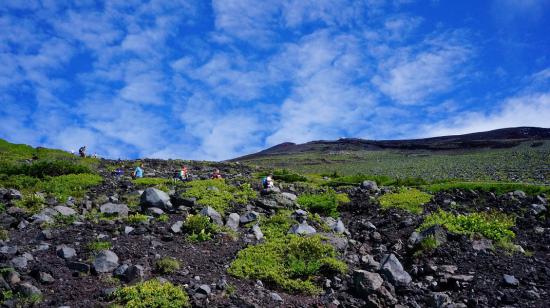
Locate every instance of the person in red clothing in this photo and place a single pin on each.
(217, 174)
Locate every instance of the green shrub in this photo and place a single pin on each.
(99, 245)
(498, 188)
(429, 243)
(18, 181)
(152, 293)
(410, 200)
(202, 236)
(162, 218)
(199, 227)
(32, 203)
(287, 176)
(167, 265)
(4, 235)
(494, 225)
(292, 262)
(277, 226)
(44, 168)
(148, 182)
(324, 203)
(62, 221)
(137, 218)
(74, 185)
(217, 194)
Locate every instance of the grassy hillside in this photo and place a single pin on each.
(522, 163)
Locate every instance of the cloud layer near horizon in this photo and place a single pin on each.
(215, 80)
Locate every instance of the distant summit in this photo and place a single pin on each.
(499, 138)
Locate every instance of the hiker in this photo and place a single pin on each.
(181, 175)
(267, 182)
(82, 151)
(216, 174)
(138, 173)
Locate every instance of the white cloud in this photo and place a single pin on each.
(412, 77)
(524, 110)
(324, 101)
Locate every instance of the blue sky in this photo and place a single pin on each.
(215, 80)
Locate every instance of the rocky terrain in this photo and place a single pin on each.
(78, 252)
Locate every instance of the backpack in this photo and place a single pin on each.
(264, 182)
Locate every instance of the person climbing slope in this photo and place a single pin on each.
(82, 151)
(216, 174)
(138, 173)
(267, 182)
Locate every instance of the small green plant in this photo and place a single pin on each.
(167, 265)
(494, 226)
(99, 245)
(202, 236)
(324, 203)
(32, 203)
(291, 262)
(411, 200)
(217, 193)
(429, 243)
(6, 295)
(162, 218)
(132, 200)
(199, 228)
(148, 182)
(137, 218)
(277, 226)
(4, 235)
(152, 293)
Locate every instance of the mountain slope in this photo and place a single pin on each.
(500, 138)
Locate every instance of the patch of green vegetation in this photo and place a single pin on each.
(152, 293)
(132, 200)
(324, 203)
(150, 182)
(162, 218)
(99, 245)
(4, 235)
(410, 200)
(292, 263)
(137, 218)
(277, 226)
(285, 175)
(31, 203)
(60, 221)
(217, 193)
(519, 163)
(44, 168)
(74, 185)
(61, 187)
(494, 225)
(357, 179)
(429, 243)
(167, 265)
(6, 295)
(199, 228)
(498, 188)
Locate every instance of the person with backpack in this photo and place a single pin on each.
(181, 174)
(82, 151)
(216, 174)
(267, 182)
(138, 173)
